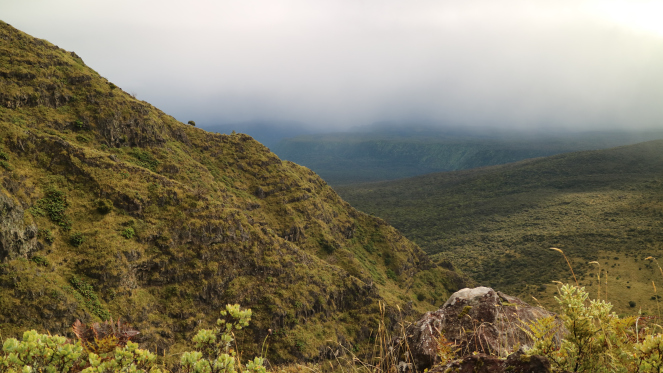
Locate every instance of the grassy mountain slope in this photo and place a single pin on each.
(498, 223)
(383, 155)
(109, 207)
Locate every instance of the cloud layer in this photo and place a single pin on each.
(342, 63)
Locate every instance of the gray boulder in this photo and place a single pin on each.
(476, 321)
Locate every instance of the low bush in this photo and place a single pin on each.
(597, 340)
(108, 347)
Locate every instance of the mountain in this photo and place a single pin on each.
(386, 153)
(497, 223)
(111, 208)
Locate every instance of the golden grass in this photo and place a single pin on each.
(567, 262)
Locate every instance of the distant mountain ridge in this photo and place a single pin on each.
(392, 153)
(110, 207)
(497, 223)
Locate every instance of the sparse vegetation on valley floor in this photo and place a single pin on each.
(490, 223)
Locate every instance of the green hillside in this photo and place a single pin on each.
(497, 223)
(110, 207)
(348, 158)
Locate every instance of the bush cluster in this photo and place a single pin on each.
(54, 205)
(45, 353)
(597, 340)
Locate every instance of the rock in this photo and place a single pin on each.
(517, 362)
(479, 320)
(17, 238)
(479, 363)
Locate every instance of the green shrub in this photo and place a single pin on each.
(46, 235)
(53, 205)
(40, 260)
(128, 233)
(46, 353)
(7, 166)
(39, 353)
(145, 159)
(84, 293)
(103, 205)
(192, 123)
(597, 340)
(76, 239)
(214, 351)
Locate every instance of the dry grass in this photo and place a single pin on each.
(567, 262)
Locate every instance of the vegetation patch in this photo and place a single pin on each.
(53, 205)
(144, 159)
(85, 295)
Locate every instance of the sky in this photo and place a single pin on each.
(338, 64)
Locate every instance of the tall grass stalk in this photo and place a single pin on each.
(598, 275)
(656, 296)
(568, 263)
(656, 261)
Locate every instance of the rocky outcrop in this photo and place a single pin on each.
(517, 362)
(17, 238)
(479, 320)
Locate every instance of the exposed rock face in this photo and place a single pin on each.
(477, 320)
(17, 239)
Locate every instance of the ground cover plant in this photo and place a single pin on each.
(491, 223)
(109, 206)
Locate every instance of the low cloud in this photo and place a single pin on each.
(338, 64)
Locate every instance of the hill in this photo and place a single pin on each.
(110, 207)
(497, 223)
(393, 153)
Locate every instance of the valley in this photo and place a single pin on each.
(497, 223)
(384, 153)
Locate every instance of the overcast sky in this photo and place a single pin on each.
(342, 63)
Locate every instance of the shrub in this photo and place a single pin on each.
(192, 123)
(53, 205)
(46, 353)
(7, 166)
(128, 233)
(213, 347)
(40, 260)
(76, 239)
(47, 235)
(145, 159)
(108, 347)
(39, 352)
(84, 294)
(103, 205)
(597, 340)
